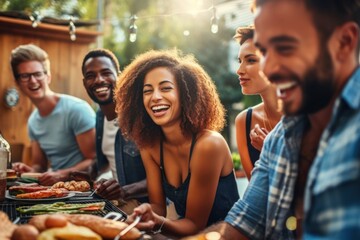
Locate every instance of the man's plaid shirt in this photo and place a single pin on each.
(332, 198)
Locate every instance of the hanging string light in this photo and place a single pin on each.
(35, 19)
(132, 29)
(214, 22)
(72, 30)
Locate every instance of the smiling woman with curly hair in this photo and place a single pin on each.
(168, 105)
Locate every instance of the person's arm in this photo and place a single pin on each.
(155, 191)
(38, 158)
(135, 190)
(38, 161)
(89, 175)
(225, 230)
(111, 189)
(241, 141)
(86, 142)
(211, 159)
(82, 121)
(249, 214)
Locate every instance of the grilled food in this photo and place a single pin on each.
(61, 207)
(48, 193)
(81, 186)
(69, 232)
(15, 190)
(106, 228)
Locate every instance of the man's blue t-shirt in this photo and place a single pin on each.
(56, 133)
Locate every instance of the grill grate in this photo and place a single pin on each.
(10, 209)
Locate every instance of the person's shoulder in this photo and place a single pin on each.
(76, 104)
(240, 119)
(72, 99)
(209, 139)
(242, 115)
(150, 152)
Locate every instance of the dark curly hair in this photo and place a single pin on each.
(200, 104)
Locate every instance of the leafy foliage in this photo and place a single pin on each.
(236, 161)
(161, 25)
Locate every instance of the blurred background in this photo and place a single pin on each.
(204, 28)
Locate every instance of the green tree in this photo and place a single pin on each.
(162, 24)
(163, 28)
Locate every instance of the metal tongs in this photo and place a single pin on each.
(128, 228)
(115, 216)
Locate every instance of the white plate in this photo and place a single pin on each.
(8, 196)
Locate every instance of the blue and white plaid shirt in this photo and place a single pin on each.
(332, 197)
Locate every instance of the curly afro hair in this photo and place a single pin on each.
(200, 103)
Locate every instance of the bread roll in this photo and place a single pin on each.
(25, 232)
(69, 232)
(106, 228)
(31, 175)
(6, 226)
(39, 221)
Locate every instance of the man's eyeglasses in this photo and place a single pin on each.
(25, 77)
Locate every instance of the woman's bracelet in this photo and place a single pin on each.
(159, 230)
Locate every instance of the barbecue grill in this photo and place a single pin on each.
(10, 209)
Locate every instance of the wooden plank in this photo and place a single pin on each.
(65, 56)
(46, 31)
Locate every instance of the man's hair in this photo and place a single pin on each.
(329, 14)
(101, 52)
(26, 53)
(199, 101)
(242, 34)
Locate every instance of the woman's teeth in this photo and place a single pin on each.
(159, 108)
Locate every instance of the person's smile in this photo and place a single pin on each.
(102, 90)
(160, 110)
(243, 80)
(285, 89)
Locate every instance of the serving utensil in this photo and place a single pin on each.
(115, 216)
(128, 228)
(17, 220)
(92, 194)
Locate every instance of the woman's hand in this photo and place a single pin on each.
(257, 136)
(150, 221)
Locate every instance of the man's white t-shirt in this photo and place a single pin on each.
(108, 144)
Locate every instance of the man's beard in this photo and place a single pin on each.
(318, 85)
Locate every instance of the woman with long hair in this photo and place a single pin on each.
(169, 106)
(254, 123)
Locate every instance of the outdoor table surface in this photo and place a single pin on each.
(157, 236)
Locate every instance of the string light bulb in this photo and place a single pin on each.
(72, 29)
(214, 22)
(132, 29)
(35, 19)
